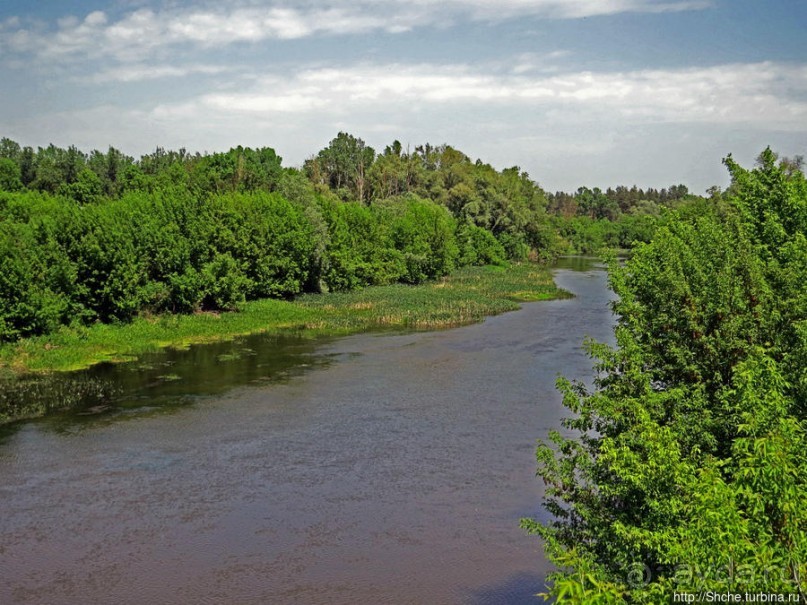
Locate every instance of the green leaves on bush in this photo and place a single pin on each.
(168, 250)
(689, 464)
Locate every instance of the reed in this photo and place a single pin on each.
(467, 296)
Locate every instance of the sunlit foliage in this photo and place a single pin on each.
(685, 467)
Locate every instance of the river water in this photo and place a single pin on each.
(378, 468)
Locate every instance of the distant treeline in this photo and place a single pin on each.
(104, 237)
(612, 203)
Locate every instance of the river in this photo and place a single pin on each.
(377, 468)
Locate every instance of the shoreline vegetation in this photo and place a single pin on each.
(41, 375)
(104, 238)
(104, 258)
(466, 296)
(682, 468)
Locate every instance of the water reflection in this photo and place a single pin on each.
(578, 263)
(169, 380)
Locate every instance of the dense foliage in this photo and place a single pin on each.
(688, 472)
(103, 237)
(590, 220)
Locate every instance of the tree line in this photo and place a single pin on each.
(613, 202)
(100, 236)
(104, 237)
(684, 469)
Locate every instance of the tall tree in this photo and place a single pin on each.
(344, 164)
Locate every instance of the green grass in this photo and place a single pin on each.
(467, 296)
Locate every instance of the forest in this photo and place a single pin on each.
(102, 237)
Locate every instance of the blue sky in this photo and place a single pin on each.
(576, 92)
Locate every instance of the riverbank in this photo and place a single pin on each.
(467, 296)
(354, 463)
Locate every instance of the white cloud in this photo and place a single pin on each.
(10, 23)
(764, 95)
(652, 127)
(143, 72)
(564, 9)
(294, 102)
(144, 30)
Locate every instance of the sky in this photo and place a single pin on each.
(575, 92)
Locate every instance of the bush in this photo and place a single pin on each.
(688, 469)
(360, 251)
(31, 277)
(424, 232)
(478, 246)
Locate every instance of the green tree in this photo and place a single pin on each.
(110, 168)
(10, 175)
(239, 170)
(688, 469)
(393, 173)
(87, 188)
(424, 233)
(344, 164)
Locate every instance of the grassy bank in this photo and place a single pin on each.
(465, 297)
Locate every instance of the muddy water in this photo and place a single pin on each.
(387, 468)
